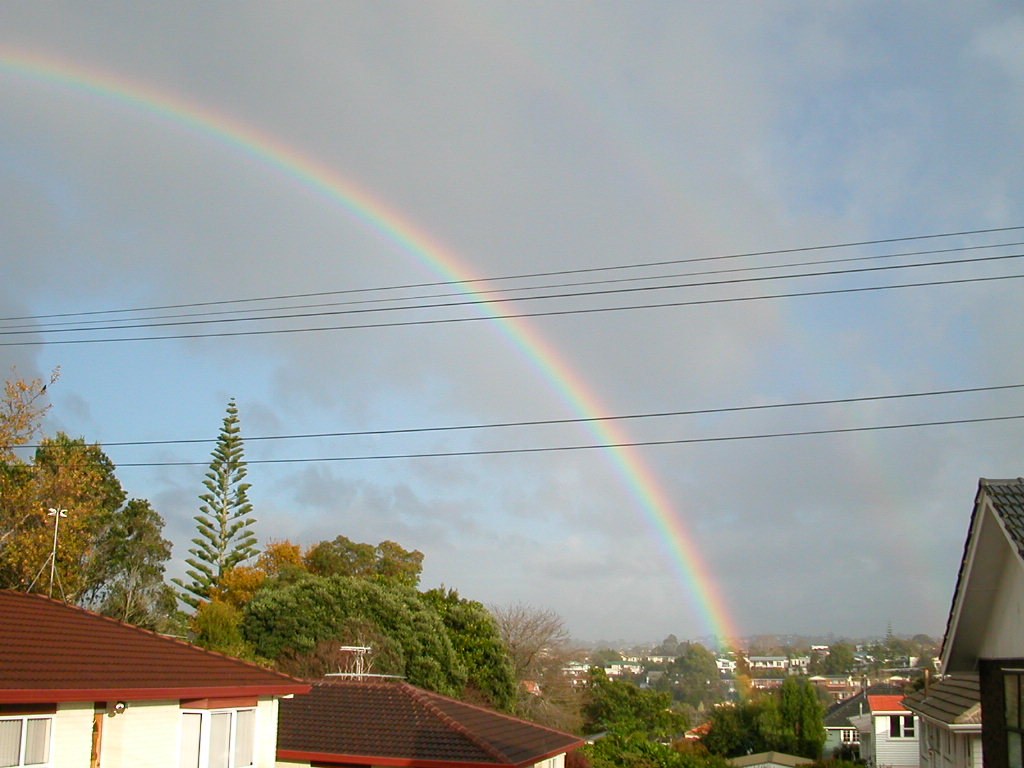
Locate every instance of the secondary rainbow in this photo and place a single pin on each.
(641, 482)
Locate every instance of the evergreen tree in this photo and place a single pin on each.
(225, 538)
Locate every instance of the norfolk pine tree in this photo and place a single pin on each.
(225, 538)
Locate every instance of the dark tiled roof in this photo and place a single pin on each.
(955, 700)
(1008, 500)
(395, 721)
(51, 652)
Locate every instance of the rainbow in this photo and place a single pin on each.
(665, 522)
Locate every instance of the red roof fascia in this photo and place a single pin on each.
(39, 695)
(402, 762)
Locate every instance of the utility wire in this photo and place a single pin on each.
(503, 300)
(57, 326)
(513, 316)
(578, 420)
(563, 448)
(520, 276)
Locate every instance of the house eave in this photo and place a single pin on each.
(332, 758)
(63, 695)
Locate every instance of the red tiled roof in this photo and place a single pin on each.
(390, 723)
(887, 703)
(52, 652)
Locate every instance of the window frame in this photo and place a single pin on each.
(23, 741)
(902, 727)
(202, 759)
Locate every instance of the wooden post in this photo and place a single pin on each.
(97, 734)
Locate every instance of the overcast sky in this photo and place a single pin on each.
(541, 137)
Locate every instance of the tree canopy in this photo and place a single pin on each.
(289, 622)
(791, 721)
(618, 705)
(344, 557)
(477, 642)
(695, 679)
(110, 555)
(223, 526)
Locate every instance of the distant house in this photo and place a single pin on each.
(620, 668)
(888, 733)
(577, 672)
(660, 659)
(78, 690)
(841, 735)
(950, 714)
(799, 664)
(765, 663)
(391, 723)
(985, 629)
(766, 683)
(838, 687)
(726, 665)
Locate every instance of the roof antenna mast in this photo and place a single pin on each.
(56, 513)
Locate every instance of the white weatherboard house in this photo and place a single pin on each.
(950, 714)
(888, 733)
(78, 690)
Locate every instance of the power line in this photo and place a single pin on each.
(586, 270)
(599, 446)
(505, 300)
(578, 420)
(512, 316)
(55, 327)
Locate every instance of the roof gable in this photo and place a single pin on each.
(50, 652)
(394, 723)
(995, 538)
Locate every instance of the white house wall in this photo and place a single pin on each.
(558, 761)
(145, 735)
(894, 752)
(71, 736)
(943, 748)
(1002, 637)
(266, 733)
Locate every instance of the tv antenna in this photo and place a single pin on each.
(56, 513)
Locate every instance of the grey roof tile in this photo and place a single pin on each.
(955, 700)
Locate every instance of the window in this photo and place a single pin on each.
(218, 739)
(24, 741)
(849, 736)
(901, 726)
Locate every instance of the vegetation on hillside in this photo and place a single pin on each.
(304, 609)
